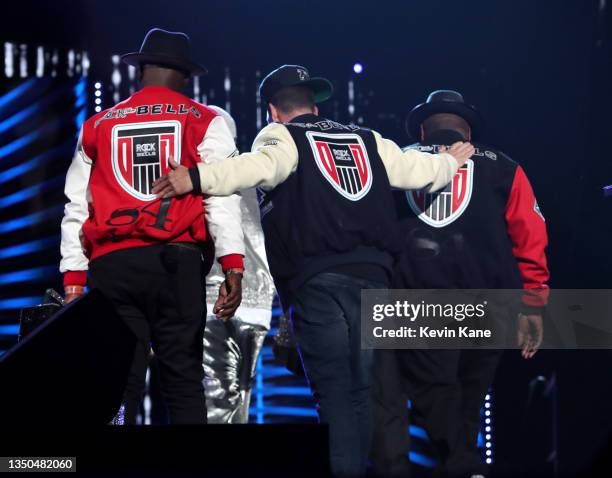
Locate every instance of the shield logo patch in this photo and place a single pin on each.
(140, 153)
(441, 208)
(343, 161)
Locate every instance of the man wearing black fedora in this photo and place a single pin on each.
(483, 231)
(328, 220)
(145, 253)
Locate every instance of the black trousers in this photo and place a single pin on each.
(447, 390)
(159, 292)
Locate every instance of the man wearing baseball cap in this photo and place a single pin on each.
(144, 253)
(483, 231)
(328, 219)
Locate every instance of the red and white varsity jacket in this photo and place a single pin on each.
(120, 152)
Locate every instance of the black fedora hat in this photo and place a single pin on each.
(444, 101)
(169, 49)
(294, 75)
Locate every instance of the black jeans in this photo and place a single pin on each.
(327, 326)
(159, 292)
(447, 390)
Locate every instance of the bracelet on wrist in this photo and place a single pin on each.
(74, 289)
(234, 271)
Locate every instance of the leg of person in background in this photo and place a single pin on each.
(327, 323)
(231, 350)
(222, 358)
(476, 373)
(435, 394)
(391, 440)
(250, 337)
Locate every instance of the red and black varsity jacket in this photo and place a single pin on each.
(485, 230)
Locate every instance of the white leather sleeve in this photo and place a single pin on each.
(273, 158)
(76, 211)
(223, 215)
(412, 169)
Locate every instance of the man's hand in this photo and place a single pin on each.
(230, 296)
(460, 151)
(175, 183)
(529, 334)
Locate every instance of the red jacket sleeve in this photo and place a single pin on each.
(527, 231)
(231, 261)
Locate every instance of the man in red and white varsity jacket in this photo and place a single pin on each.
(143, 253)
(483, 231)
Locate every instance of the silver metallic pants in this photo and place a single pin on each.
(231, 350)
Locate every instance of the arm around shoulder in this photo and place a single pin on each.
(273, 158)
(412, 169)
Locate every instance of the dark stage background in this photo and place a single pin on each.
(539, 71)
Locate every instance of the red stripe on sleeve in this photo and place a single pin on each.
(231, 261)
(75, 278)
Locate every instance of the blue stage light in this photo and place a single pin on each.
(12, 329)
(418, 432)
(259, 399)
(31, 219)
(29, 247)
(62, 151)
(80, 119)
(80, 88)
(358, 68)
(421, 459)
(81, 102)
(19, 143)
(272, 371)
(17, 92)
(20, 117)
(32, 191)
(268, 390)
(20, 302)
(17, 118)
(280, 410)
(28, 275)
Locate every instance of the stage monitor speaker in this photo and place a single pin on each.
(72, 370)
